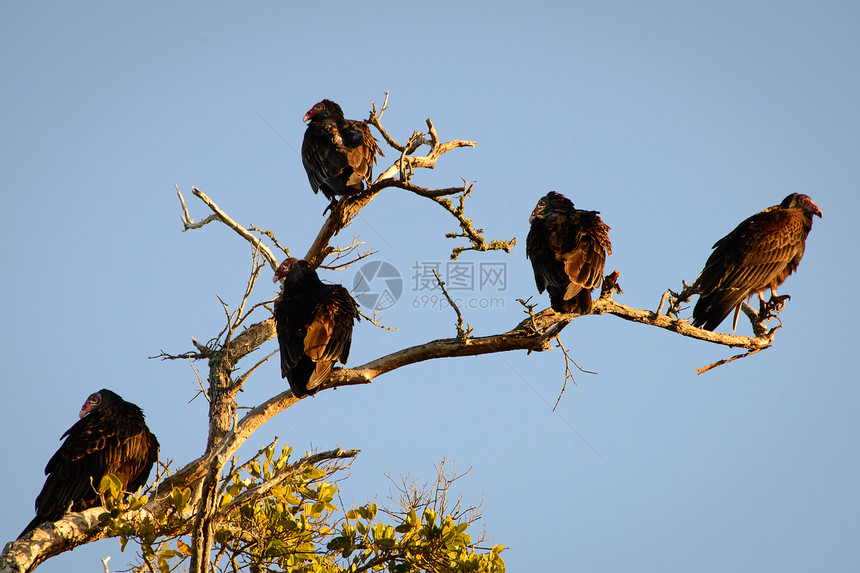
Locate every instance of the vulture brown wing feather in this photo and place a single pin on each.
(320, 373)
(760, 253)
(140, 452)
(318, 336)
(362, 157)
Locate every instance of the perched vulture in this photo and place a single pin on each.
(568, 249)
(314, 324)
(110, 438)
(759, 254)
(338, 154)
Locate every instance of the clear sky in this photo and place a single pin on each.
(676, 120)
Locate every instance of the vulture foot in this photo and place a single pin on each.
(772, 307)
(332, 204)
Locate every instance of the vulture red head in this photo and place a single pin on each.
(286, 267)
(538, 211)
(326, 109)
(799, 201)
(549, 205)
(96, 401)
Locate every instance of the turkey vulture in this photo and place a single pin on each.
(314, 324)
(568, 249)
(759, 254)
(110, 438)
(338, 154)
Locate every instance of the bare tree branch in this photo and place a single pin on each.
(278, 477)
(345, 210)
(220, 215)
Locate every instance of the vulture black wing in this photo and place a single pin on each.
(323, 159)
(113, 439)
(338, 154)
(314, 323)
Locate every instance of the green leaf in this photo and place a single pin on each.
(110, 484)
(179, 498)
(311, 473)
(306, 547)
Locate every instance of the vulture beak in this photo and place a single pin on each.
(306, 118)
(276, 278)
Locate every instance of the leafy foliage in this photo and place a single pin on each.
(274, 515)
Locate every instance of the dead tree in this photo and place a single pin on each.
(250, 324)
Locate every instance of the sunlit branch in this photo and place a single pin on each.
(220, 215)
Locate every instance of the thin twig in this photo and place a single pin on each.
(568, 373)
(374, 320)
(462, 333)
(238, 384)
(272, 238)
(201, 389)
(342, 253)
(704, 369)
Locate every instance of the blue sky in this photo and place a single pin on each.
(676, 120)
